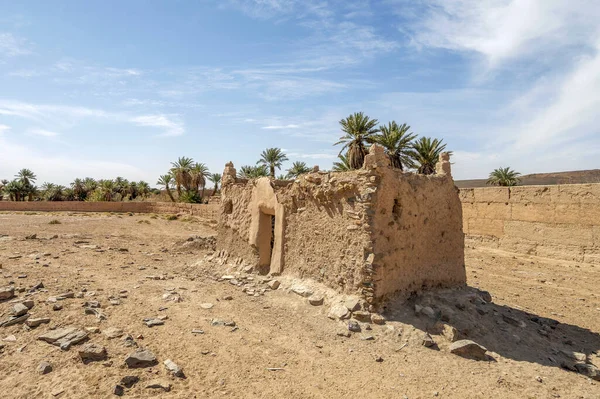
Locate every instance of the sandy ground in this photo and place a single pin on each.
(281, 346)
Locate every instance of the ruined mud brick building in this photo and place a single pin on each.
(375, 232)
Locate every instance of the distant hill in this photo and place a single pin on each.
(535, 179)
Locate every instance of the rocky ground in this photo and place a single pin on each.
(98, 305)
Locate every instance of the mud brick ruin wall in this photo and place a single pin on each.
(559, 222)
(374, 231)
(206, 211)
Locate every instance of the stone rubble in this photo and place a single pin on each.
(91, 352)
(141, 358)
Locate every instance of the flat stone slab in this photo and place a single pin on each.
(154, 322)
(14, 320)
(113, 332)
(141, 358)
(301, 290)
(469, 349)
(64, 337)
(35, 322)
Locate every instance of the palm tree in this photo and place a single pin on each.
(3, 184)
(396, 140)
(198, 174)
(181, 173)
(504, 177)
(253, 172)
(143, 188)
(89, 185)
(359, 130)
(216, 179)
(26, 176)
(121, 187)
(107, 188)
(132, 190)
(297, 169)
(78, 188)
(166, 180)
(272, 158)
(52, 192)
(425, 154)
(14, 189)
(68, 194)
(342, 165)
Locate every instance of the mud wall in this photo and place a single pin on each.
(560, 221)
(327, 237)
(234, 221)
(418, 240)
(201, 210)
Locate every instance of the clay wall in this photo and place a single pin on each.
(201, 210)
(559, 221)
(327, 237)
(418, 241)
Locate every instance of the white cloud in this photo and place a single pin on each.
(171, 127)
(503, 30)
(572, 112)
(4, 128)
(280, 127)
(12, 46)
(67, 116)
(43, 132)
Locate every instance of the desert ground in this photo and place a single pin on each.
(232, 335)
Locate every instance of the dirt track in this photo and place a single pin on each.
(277, 330)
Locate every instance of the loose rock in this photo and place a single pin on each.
(338, 312)
(113, 332)
(44, 368)
(362, 316)
(173, 368)
(141, 358)
(64, 337)
(7, 293)
(301, 290)
(159, 384)
(352, 304)
(118, 390)
(37, 322)
(469, 349)
(91, 352)
(18, 309)
(154, 322)
(428, 342)
(273, 284)
(316, 300)
(129, 380)
(353, 326)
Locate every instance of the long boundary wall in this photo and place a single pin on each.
(559, 221)
(209, 211)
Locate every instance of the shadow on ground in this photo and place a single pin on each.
(511, 333)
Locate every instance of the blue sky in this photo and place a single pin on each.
(112, 88)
